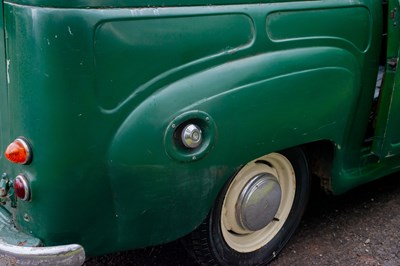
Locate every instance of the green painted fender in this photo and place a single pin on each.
(246, 108)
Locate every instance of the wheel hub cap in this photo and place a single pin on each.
(258, 202)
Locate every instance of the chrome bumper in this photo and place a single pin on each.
(11, 255)
(18, 248)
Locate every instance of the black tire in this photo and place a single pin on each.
(209, 245)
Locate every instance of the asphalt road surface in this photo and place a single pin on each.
(361, 227)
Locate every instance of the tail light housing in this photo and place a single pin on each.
(19, 151)
(21, 188)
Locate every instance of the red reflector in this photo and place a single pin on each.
(21, 188)
(18, 152)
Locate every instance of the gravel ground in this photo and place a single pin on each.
(361, 227)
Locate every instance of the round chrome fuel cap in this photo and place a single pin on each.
(191, 136)
(258, 202)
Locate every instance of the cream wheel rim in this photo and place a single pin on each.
(242, 239)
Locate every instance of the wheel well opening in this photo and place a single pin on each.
(320, 157)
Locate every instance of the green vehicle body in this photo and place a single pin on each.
(98, 88)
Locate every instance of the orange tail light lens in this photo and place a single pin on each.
(19, 152)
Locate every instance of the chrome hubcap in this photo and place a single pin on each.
(258, 202)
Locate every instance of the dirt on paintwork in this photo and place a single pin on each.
(361, 227)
